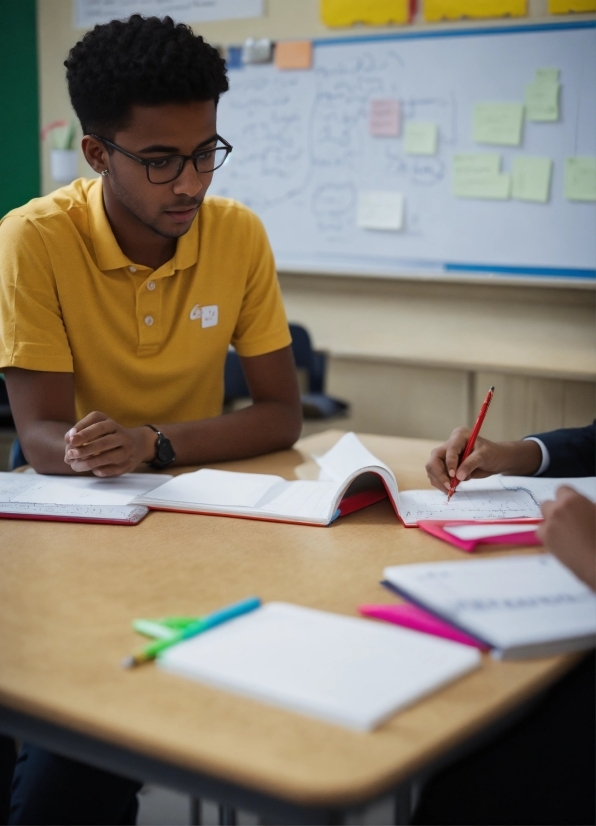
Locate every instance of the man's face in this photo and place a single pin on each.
(154, 132)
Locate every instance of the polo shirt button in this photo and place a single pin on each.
(148, 320)
(151, 285)
(132, 269)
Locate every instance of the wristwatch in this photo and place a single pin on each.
(164, 452)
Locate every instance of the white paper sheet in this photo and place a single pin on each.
(88, 13)
(467, 532)
(381, 210)
(543, 488)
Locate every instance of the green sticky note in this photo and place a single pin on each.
(542, 101)
(420, 138)
(531, 179)
(547, 75)
(580, 179)
(476, 175)
(499, 123)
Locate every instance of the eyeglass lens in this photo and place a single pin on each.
(163, 170)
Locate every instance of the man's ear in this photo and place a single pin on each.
(95, 153)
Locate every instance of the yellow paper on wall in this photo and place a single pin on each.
(580, 179)
(371, 12)
(542, 101)
(546, 74)
(566, 6)
(498, 123)
(420, 138)
(531, 179)
(476, 175)
(455, 9)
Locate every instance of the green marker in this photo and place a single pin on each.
(149, 652)
(151, 628)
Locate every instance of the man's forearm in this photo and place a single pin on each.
(261, 428)
(43, 447)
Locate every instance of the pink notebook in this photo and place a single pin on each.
(496, 533)
(410, 616)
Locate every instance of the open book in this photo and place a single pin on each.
(350, 477)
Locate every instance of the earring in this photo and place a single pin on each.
(104, 172)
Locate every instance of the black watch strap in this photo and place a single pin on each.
(164, 452)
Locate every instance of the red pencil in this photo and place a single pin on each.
(472, 439)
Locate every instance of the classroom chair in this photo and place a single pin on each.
(316, 404)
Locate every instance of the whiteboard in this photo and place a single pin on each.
(303, 153)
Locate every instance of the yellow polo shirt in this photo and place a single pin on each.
(144, 345)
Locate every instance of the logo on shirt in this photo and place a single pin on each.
(209, 315)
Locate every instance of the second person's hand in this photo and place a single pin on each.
(515, 458)
(99, 444)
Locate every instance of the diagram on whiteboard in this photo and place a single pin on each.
(417, 153)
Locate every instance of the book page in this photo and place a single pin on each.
(216, 488)
(42, 489)
(300, 500)
(416, 505)
(349, 456)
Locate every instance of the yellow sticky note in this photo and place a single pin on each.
(420, 138)
(371, 12)
(566, 6)
(455, 9)
(293, 54)
(531, 179)
(499, 123)
(580, 179)
(542, 101)
(547, 75)
(476, 175)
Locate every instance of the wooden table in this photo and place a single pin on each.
(68, 593)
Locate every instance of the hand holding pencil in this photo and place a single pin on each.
(472, 440)
(519, 458)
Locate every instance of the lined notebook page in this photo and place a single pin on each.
(465, 504)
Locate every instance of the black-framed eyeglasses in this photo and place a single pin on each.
(167, 168)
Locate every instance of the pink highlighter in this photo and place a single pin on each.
(410, 616)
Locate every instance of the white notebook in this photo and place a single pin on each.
(523, 606)
(347, 471)
(347, 671)
(45, 489)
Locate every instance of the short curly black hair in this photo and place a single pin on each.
(144, 60)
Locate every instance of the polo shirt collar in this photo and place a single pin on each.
(108, 254)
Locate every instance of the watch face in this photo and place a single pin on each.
(164, 450)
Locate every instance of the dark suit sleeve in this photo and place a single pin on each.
(572, 451)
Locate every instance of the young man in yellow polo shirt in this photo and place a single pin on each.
(119, 298)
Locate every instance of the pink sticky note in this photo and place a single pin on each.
(385, 118)
(410, 616)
